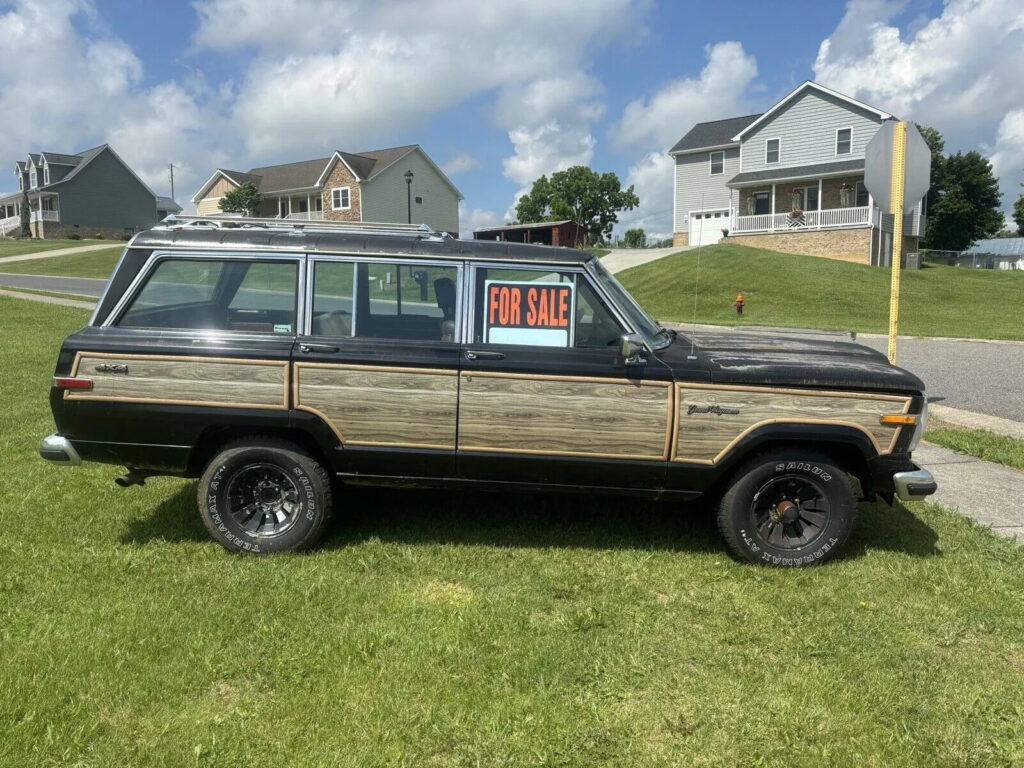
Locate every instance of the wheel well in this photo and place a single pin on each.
(213, 438)
(847, 456)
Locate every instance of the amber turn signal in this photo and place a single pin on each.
(898, 418)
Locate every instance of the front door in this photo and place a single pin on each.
(545, 395)
(378, 362)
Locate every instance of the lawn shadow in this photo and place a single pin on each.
(553, 520)
(174, 519)
(894, 529)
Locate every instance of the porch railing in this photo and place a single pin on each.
(45, 216)
(830, 218)
(9, 224)
(306, 215)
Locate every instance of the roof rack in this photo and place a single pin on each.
(301, 226)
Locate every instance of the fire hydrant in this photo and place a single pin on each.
(738, 303)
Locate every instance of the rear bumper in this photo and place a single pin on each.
(913, 485)
(59, 450)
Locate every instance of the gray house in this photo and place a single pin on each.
(347, 186)
(89, 193)
(790, 179)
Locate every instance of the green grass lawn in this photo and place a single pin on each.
(982, 443)
(99, 263)
(808, 292)
(464, 630)
(14, 247)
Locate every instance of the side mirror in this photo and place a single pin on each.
(633, 347)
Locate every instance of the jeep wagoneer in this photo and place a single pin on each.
(280, 364)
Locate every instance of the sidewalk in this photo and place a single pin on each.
(623, 258)
(59, 252)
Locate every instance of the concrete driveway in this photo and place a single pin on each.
(624, 258)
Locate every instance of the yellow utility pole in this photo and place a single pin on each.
(899, 159)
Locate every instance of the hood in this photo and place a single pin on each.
(769, 359)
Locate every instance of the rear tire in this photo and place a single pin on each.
(788, 509)
(264, 495)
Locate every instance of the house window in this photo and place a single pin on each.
(33, 179)
(717, 163)
(341, 198)
(844, 140)
(46, 175)
(862, 195)
(21, 182)
(771, 150)
(810, 198)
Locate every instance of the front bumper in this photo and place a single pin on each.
(59, 450)
(914, 485)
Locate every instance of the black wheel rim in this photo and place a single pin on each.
(790, 512)
(263, 500)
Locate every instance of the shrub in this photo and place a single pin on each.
(98, 236)
(74, 236)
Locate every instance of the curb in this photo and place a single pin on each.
(972, 420)
(48, 299)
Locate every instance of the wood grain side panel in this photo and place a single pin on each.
(382, 406)
(184, 380)
(559, 417)
(706, 437)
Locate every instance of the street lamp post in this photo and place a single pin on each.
(408, 194)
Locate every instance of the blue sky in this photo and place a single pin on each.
(495, 92)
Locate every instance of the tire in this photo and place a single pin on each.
(788, 509)
(264, 495)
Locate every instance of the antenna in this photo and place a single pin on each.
(696, 280)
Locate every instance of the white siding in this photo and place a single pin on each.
(694, 184)
(807, 127)
(384, 196)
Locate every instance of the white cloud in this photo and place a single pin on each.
(1008, 157)
(476, 218)
(460, 162)
(652, 179)
(719, 92)
(959, 72)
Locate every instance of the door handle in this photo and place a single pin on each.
(472, 354)
(307, 348)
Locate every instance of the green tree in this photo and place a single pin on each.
(1018, 214)
(581, 195)
(26, 215)
(966, 208)
(244, 199)
(635, 238)
(937, 145)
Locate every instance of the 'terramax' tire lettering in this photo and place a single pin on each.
(310, 481)
(737, 520)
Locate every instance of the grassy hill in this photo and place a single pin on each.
(809, 292)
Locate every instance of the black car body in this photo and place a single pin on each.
(393, 355)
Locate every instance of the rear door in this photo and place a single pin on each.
(545, 394)
(377, 359)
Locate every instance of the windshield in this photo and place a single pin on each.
(655, 336)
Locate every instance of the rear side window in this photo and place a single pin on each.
(381, 300)
(212, 295)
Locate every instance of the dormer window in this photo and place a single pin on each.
(46, 175)
(33, 179)
(21, 183)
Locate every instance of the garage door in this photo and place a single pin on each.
(706, 226)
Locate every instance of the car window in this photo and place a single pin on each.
(212, 295)
(381, 300)
(540, 307)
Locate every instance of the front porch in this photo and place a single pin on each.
(302, 207)
(42, 208)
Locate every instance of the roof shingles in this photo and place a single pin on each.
(715, 133)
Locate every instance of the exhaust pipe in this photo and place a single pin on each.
(132, 477)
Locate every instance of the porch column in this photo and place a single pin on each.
(309, 206)
(819, 203)
(279, 207)
(771, 221)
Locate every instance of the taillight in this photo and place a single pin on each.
(67, 382)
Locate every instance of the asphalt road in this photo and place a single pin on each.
(984, 377)
(86, 286)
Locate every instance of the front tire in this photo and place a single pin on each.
(264, 496)
(788, 509)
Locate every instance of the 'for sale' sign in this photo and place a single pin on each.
(541, 314)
